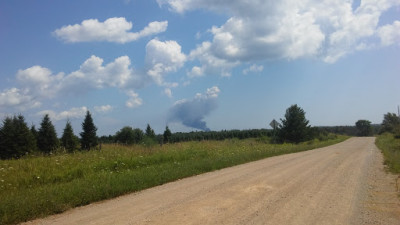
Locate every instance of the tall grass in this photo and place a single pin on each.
(390, 147)
(37, 186)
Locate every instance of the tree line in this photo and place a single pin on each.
(17, 139)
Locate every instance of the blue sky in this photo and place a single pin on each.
(198, 64)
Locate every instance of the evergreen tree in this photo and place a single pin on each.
(88, 135)
(167, 135)
(34, 132)
(15, 138)
(7, 144)
(47, 140)
(294, 127)
(150, 132)
(68, 140)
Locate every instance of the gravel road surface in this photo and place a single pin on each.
(340, 184)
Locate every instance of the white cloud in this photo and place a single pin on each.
(93, 74)
(37, 84)
(73, 113)
(17, 98)
(288, 29)
(134, 100)
(253, 69)
(115, 29)
(212, 92)
(211, 64)
(39, 80)
(103, 108)
(162, 58)
(196, 72)
(168, 92)
(390, 34)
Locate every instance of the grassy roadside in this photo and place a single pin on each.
(38, 186)
(390, 148)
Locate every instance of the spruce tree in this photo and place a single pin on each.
(88, 134)
(26, 142)
(150, 132)
(7, 143)
(47, 140)
(68, 140)
(16, 139)
(34, 132)
(294, 127)
(167, 135)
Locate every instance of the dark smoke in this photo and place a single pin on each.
(191, 113)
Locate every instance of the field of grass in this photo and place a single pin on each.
(390, 148)
(37, 186)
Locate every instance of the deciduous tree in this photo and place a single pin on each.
(364, 127)
(390, 122)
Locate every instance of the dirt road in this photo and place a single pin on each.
(340, 184)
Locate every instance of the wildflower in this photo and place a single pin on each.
(38, 177)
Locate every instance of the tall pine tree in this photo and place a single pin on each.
(167, 135)
(88, 134)
(47, 140)
(150, 132)
(295, 126)
(68, 140)
(15, 138)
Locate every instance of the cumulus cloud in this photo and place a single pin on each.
(191, 113)
(37, 84)
(390, 34)
(39, 80)
(287, 29)
(115, 29)
(211, 64)
(73, 113)
(253, 69)
(93, 74)
(163, 57)
(103, 108)
(134, 100)
(17, 98)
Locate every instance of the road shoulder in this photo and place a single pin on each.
(381, 200)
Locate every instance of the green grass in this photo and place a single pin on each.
(37, 186)
(390, 147)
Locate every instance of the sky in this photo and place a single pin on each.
(198, 64)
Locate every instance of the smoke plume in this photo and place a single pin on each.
(191, 113)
